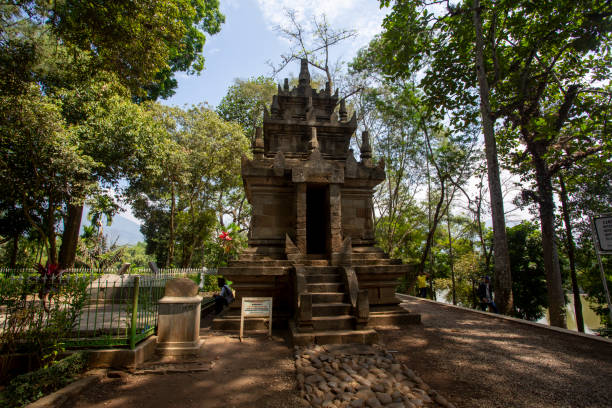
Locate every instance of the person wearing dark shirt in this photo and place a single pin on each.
(485, 295)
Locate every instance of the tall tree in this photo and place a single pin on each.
(73, 47)
(181, 193)
(537, 57)
(418, 35)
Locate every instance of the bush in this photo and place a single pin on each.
(34, 325)
(29, 387)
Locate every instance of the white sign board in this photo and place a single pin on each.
(256, 307)
(603, 228)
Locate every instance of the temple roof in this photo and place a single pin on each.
(294, 112)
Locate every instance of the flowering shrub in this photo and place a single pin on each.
(225, 246)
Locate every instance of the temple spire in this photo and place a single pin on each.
(304, 78)
(366, 148)
(343, 112)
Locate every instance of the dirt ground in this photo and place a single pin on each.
(471, 359)
(255, 373)
(478, 361)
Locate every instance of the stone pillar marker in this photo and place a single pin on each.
(178, 328)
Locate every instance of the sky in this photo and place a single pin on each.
(248, 40)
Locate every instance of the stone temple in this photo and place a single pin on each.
(311, 241)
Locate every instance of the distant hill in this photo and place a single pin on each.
(125, 231)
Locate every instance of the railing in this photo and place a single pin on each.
(83, 308)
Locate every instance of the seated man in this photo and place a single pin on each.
(224, 298)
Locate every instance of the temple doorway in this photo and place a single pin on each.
(317, 219)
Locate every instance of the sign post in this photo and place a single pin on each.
(256, 307)
(601, 227)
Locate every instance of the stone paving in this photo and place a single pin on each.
(355, 376)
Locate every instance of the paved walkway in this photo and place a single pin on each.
(477, 360)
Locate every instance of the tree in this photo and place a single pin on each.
(113, 37)
(181, 193)
(79, 51)
(529, 276)
(313, 43)
(536, 58)
(245, 102)
(41, 167)
(414, 37)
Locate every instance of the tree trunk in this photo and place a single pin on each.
(556, 300)
(450, 252)
(501, 257)
(52, 255)
(571, 247)
(70, 236)
(171, 243)
(14, 252)
(432, 231)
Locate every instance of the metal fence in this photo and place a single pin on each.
(83, 308)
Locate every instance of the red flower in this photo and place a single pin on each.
(224, 236)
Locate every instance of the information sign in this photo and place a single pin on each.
(603, 228)
(256, 307)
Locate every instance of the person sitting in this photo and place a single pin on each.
(485, 294)
(224, 298)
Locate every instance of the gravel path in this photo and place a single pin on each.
(479, 361)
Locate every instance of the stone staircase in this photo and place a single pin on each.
(332, 321)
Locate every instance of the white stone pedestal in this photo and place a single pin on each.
(178, 328)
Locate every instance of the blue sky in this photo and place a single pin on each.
(248, 40)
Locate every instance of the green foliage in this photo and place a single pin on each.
(69, 77)
(136, 255)
(27, 388)
(38, 326)
(589, 278)
(112, 39)
(528, 275)
(220, 250)
(245, 102)
(193, 181)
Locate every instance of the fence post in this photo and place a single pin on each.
(134, 312)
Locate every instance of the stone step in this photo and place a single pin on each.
(368, 249)
(382, 269)
(365, 336)
(376, 262)
(330, 309)
(341, 322)
(324, 278)
(255, 270)
(319, 270)
(329, 297)
(259, 263)
(368, 255)
(315, 262)
(325, 287)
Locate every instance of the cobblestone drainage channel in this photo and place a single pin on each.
(355, 376)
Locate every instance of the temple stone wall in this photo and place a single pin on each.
(273, 213)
